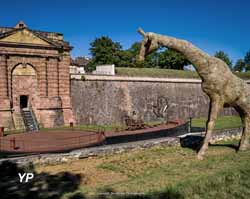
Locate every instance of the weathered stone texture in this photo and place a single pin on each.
(107, 102)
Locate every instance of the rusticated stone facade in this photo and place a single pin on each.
(34, 72)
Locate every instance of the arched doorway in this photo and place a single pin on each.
(24, 86)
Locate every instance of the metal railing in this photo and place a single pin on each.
(34, 117)
(20, 145)
(24, 120)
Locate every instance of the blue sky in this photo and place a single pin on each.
(211, 25)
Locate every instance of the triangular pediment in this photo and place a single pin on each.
(24, 36)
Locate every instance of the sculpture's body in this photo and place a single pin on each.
(218, 82)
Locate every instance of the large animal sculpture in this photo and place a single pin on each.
(218, 82)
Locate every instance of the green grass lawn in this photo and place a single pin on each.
(155, 72)
(164, 172)
(221, 123)
(225, 122)
(92, 127)
(95, 128)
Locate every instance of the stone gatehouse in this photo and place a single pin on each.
(34, 76)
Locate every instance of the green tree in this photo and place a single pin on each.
(172, 59)
(224, 57)
(247, 61)
(104, 51)
(239, 65)
(125, 58)
(149, 62)
(128, 58)
(135, 48)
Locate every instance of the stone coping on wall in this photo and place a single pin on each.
(133, 79)
(136, 79)
(59, 158)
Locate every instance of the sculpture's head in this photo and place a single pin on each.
(148, 45)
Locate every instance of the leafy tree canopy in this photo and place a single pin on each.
(172, 59)
(239, 65)
(247, 61)
(224, 57)
(104, 51)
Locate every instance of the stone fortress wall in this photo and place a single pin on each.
(107, 99)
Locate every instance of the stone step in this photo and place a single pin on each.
(29, 121)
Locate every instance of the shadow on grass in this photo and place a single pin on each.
(194, 142)
(109, 193)
(48, 186)
(197, 129)
(42, 186)
(233, 146)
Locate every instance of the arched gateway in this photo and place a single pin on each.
(34, 77)
(24, 88)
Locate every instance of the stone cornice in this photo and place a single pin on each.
(136, 79)
(36, 46)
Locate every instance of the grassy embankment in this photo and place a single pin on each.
(164, 172)
(225, 122)
(154, 72)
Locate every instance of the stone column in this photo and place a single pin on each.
(50, 109)
(5, 109)
(52, 71)
(3, 77)
(64, 79)
(42, 77)
(64, 89)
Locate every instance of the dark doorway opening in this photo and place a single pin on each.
(24, 101)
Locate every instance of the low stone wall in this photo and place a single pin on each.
(115, 148)
(224, 135)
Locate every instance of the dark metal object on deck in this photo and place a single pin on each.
(133, 124)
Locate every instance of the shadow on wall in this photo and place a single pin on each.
(42, 186)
